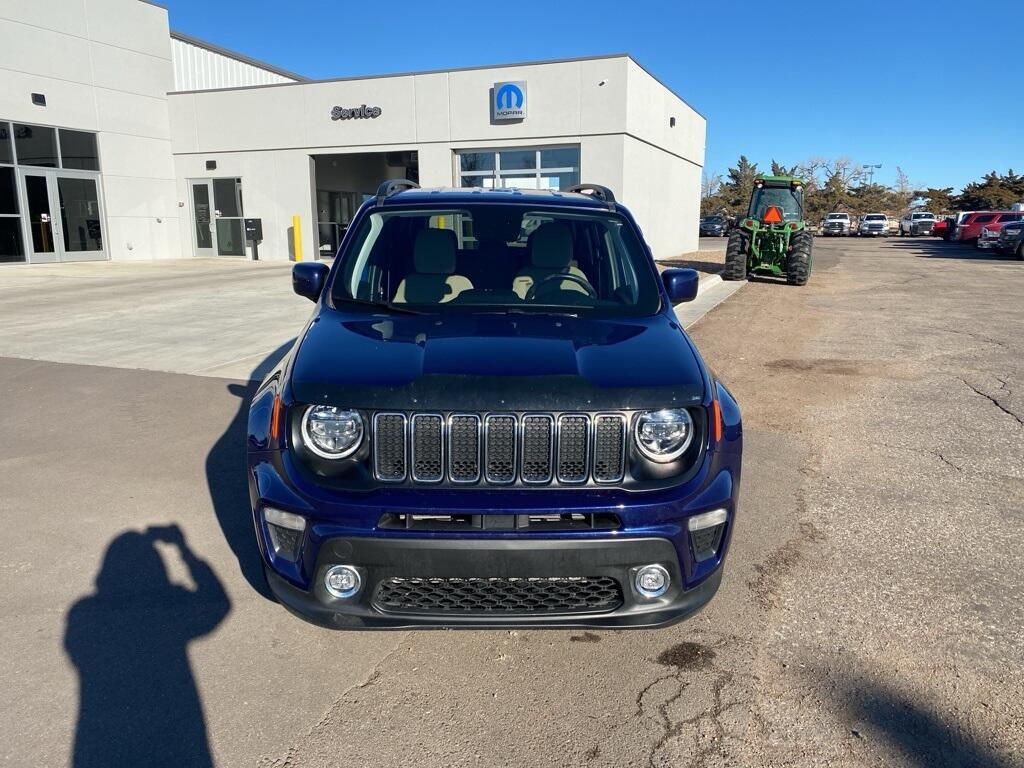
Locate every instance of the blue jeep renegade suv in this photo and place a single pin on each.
(493, 418)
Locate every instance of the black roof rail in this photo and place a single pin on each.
(393, 187)
(595, 190)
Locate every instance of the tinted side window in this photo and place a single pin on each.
(985, 218)
(1011, 217)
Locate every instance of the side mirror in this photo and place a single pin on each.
(308, 279)
(681, 284)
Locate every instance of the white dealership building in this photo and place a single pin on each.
(120, 139)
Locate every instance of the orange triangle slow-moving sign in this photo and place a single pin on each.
(773, 215)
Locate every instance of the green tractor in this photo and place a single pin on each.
(773, 238)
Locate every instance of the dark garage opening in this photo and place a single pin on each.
(344, 181)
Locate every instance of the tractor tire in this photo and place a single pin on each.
(736, 257)
(798, 265)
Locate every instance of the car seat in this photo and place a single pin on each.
(550, 248)
(433, 280)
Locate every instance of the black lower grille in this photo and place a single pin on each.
(501, 596)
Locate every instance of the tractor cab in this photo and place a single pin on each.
(776, 200)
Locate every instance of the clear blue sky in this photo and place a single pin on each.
(933, 87)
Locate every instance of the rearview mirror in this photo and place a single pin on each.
(308, 279)
(681, 284)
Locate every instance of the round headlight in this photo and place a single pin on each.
(330, 432)
(662, 436)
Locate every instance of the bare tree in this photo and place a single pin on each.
(710, 185)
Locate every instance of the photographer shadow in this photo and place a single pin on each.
(138, 702)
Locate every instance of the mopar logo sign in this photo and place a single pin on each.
(509, 101)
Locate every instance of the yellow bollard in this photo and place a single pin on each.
(296, 238)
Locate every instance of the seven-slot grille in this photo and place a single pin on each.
(500, 448)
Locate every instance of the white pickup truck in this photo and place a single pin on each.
(836, 224)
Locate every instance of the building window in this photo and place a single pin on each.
(6, 150)
(35, 145)
(520, 167)
(78, 150)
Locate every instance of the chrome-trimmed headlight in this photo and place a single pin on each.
(331, 432)
(664, 435)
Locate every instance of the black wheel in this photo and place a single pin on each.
(1020, 251)
(798, 264)
(736, 257)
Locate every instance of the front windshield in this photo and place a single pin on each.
(839, 216)
(788, 199)
(923, 216)
(497, 257)
(874, 217)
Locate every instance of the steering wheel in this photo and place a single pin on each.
(580, 281)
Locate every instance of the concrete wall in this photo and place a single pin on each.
(104, 66)
(615, 111)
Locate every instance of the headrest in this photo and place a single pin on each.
(551, 246)
(434, 252)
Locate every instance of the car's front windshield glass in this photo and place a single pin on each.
(786, 198)
(482, 258)
(839, 216)
(924, 216)
(874, 217)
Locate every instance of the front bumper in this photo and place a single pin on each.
(380, 560)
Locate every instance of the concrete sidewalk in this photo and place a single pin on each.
(207, 317)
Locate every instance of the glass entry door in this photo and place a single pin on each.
(63, 216)
(217, 220)
(40, 210)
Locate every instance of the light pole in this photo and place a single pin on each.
(871, 172)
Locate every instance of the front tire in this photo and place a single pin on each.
(736, 257)
(798, 265)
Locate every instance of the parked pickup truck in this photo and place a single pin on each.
(512, 435)
(836, 224)
(874, 225)
(917, 223)
(1011, 239)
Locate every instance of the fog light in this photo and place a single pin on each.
(285, 531)
(652, 581)
(342, 580)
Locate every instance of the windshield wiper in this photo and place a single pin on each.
(380, 305)
(542, 309)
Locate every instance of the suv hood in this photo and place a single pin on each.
(495, 362)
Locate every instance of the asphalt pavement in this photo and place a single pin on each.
(870, 613)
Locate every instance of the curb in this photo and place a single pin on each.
(708, 282)
(711, 291)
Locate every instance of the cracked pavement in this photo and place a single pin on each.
(870, 613)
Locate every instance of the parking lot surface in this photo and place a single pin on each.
(870, 612)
